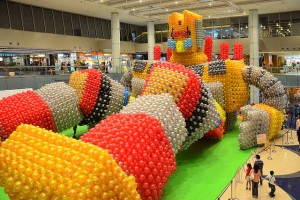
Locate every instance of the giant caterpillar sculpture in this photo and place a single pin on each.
(137, 146)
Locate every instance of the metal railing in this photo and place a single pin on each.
(265, 148)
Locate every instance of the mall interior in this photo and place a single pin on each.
(149, 99)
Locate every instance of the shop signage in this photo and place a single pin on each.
(7, 55)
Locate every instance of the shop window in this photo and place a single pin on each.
(92, 29)
(106, 29)
(49, 22)
(244, 27)
(295, 25)
(27, 18)
(68, 23)
(235, 28)
(76, 25)
(58, 21)
(285, 22)
(38, 19)
(98, 23)
(263, 26)
(123, 32)
(134, 33)
(208, 27)
(84, 26)
(217, 30)
(4, 22)
(225, 24)
(15, 15)
(274, 27)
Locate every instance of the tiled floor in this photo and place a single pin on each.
(285, 162)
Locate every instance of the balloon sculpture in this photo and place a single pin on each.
(134, 145)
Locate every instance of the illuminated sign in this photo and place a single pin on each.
(7, 55)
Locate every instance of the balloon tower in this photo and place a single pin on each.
(129, 151)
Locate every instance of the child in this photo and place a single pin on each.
(248, 173)
(272, 183)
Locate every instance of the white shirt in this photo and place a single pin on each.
(271, 179)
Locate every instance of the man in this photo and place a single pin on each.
(260, 164)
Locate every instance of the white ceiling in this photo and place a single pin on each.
(140, 11)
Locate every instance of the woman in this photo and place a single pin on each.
(298, 130)
(255, 181)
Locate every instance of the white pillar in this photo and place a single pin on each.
(151, 40)
(254, 50)
(115, 40)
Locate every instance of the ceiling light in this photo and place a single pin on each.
(176, 2)
(208, 16)
(167, 10)
(141, 1)
(133, 9)
(209, 3)
(244, 13)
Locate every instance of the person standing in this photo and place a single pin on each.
(260, 165)
(298, 130)
(248, 174)
(272, 183)
(257, 176)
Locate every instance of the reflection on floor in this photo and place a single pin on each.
(284, 159)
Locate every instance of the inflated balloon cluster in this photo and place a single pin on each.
(236, 90)
(219, 131)
(238, 51)
(224, 51)
(126, 80)
(101, 95)
(169, 54)
(137, 86)
(182, 83)
(276, 119)
(272, 89)
(116, 98)
(217, 91)
(157, 52)
(186, 38)
(140, 146)
(199, 33)
(256, 121)
(39, 164)
(26, 107)
(140, 69)
(163, 108)
(216, 67)
(87, 86)
(231, 119)
(64, 104)
(208, 48)
(198, 69)
(203, 119)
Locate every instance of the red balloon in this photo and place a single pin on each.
(143, 149)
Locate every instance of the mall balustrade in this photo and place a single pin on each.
(21, 77)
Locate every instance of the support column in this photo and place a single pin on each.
(254, 50)
(115, 41)
(151, 40)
